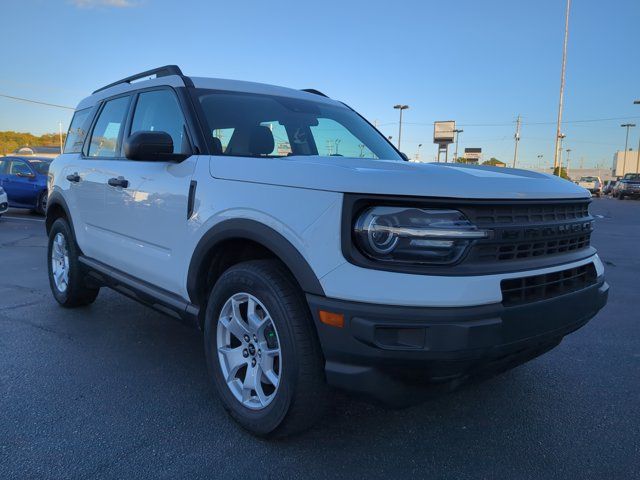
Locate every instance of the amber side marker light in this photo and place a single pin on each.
(332, 319)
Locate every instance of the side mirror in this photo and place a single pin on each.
(151, 147)
(26, 175)
(404, 156)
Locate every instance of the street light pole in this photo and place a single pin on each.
(457, 131)
(626, 144)
(401, 108)
(558, 150)
(418, 152)
(568, 162)
(540, 161)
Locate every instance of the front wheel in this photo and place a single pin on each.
(66, 278)
(262, 350)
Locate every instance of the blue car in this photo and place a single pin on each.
(24, 179)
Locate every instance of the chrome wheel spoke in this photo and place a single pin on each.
(235, 360)
(235, 326)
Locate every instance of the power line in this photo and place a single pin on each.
(508, 124)
(36, 101)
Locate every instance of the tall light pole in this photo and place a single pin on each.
(457, 131)
(558, 150)
(637, 102)
(540, 161)
(418, 152)
(401, 108)
(568, 162)
(626, 144)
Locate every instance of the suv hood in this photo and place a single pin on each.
(387, 177)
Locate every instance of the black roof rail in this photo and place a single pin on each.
(314, 91)
(158, 72)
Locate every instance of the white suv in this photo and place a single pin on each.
(305, 246)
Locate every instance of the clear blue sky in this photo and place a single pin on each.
(478, 62)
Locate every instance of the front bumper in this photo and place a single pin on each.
(381, 350)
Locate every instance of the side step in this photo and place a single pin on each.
(157, 298)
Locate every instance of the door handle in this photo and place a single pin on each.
(118, 182)
(74, 177)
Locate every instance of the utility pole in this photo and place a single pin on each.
(561, 137)
(517, 138)
(457, 131)
(637, 102)
(401, 108)
(626, 144)
(558, 150)
(60, 134)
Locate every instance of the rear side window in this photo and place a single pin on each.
(159, 111)
(77, 131)
(105, 139)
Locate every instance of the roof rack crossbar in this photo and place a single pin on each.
(158, 72)
(314, 91)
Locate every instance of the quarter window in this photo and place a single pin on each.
(77, 131)
(159, 111)
(106, 134)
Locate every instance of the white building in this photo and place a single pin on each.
(629, 163)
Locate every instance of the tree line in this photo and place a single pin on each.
(9, 140)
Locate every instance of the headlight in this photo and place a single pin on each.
(415, 235)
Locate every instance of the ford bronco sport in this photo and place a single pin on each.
(306, 248)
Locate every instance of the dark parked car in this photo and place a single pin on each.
(608, 187)
(25, 181)
(629, 186)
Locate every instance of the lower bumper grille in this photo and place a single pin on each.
(517, 291)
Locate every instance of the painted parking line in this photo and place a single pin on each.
(10, 217)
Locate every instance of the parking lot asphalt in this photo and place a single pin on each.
(116, 390)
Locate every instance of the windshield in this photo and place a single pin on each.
(256, 125)
(40, 166)
(632, 176)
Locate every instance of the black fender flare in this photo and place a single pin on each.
(253, 230)
(56, 199)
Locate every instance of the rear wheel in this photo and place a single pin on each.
(262, 351)
(41, 203)
(66, 278)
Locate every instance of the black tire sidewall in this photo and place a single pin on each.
(261, 422)
(75, 288)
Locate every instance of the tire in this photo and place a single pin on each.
(620, 196)
(69, 289)
(299, 398)
(41, 204)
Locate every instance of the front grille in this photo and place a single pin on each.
(519, 250)
(526, 214)
(517, 291)
(528, 231)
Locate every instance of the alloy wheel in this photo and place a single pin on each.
(249, 351)
(60, 262)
